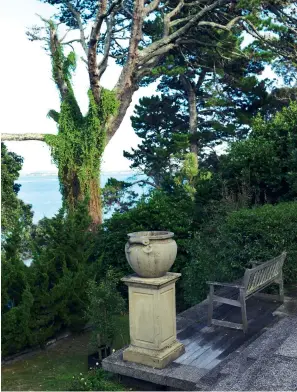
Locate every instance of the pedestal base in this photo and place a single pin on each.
(154, 358)
(152, 321)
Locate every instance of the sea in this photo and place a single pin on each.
(41, 190)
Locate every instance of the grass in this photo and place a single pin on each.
(53, 369)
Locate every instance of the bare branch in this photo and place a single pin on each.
(147, 53)
(181, 20)
(171, 14)
(107, 43)
(226, 27)
(77, 17)
(64, 36)
(94, 72)
(157, 53)
(151, 7)
(127, 11)
(147, 68)
(125, 86)
(70, 42)
(195, 41)
(144, 182)
(22, 136)
(252, 30)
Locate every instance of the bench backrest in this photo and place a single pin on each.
(260, 276)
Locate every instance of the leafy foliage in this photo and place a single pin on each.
(161, 126)
(227, 96)
(16, 220)
(224, 248)
(11, 164)
(267, 162)
(118, 195)
(16, 216)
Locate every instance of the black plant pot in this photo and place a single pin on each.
(95, 359)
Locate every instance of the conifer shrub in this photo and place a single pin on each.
(59, 274)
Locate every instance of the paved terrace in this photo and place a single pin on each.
(219, 358)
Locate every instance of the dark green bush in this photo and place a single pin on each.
(266, 162)
(223, 249)
(50, 295)
(59, 274)
(15, 324)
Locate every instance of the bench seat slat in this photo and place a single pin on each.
(223, 323)
(226, 301)
(238, 286)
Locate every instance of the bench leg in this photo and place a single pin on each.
(210, 305)
(243, 311)
(281, 287)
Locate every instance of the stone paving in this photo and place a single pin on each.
(219, 358)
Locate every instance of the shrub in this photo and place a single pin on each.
(59, 274)
(222, 251)
(105, 303)
(267, 161)
(16, 325)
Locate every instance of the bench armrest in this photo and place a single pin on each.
(237, 286)
(254, 263)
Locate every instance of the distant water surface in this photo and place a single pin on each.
(42, 191)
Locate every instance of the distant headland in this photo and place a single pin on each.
(55, 174)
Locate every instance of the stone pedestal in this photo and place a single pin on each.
(152, 317)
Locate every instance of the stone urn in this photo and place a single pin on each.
(151, 253)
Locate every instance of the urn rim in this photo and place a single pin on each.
(152, 235)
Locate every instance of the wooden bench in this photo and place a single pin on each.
(261, 275)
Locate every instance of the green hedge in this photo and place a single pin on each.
(222, 251)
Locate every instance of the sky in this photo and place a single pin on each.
(28, 91)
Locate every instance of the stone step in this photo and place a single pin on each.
(183, 377)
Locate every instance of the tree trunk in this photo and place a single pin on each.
(193, 123)
(74, 192)
(193, 116)
(95, 202)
